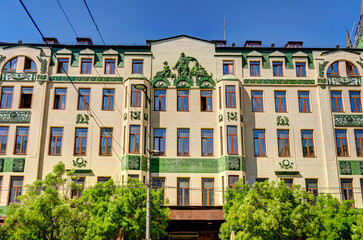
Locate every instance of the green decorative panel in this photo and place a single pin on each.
(134, 162)
(159, 82)
(282, 121)
(232, 116)
(82, 119)
(220, 118)
(85, 79)
(43, 65)
(18, 76)
(322, 68)
(286, 164)
(345, 81)
(135, 115)
(183, 82)
(79, 162)
(279, 81)
(12, 164)
(287, 172)
(80, 170)
(14, 116)
(42, 77)
(351, 167)
(345, 120)
(197, 165)
(206, 82)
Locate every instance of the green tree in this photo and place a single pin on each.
(118, 211)
(274, 211)
(44, 213)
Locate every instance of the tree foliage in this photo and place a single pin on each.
(105, 211)
(274, 211)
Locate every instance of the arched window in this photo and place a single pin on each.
(333, 69)
(351, 69)
(29, 65)
(10, 66)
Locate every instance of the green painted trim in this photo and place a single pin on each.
(351, 167)
(229, 78)
(12, 164)
(137, 76)
(85, 79)
(279, 81)
(198, 165)
(287, 172)
(80, 170)
(159, 82)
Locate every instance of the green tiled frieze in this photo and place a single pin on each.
(18, 77)
(279, 81)
(345, 120)
(134, 162)
(351, 81)
(14, 116)
(12, 164)
(85, 79)
(197, 165)
(351, 167)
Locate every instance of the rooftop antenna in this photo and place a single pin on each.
(224, 28)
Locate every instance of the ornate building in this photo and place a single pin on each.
(218, 114)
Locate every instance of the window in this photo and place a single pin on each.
(86, 64)
(159, 140)
(359, 142)
(232, 179)
(3, 139)
(135, 97)
(288, 182)
(183, 142)
(26, 97)
(106, 141)
(277, 69)
(333, 70)
(351, 70)
(160, 100)
(60, 98)
(83, 98)
(230, 96)
(259, 142)
(108, 99)
(257, 101)
(307, 143)
(280, 101)
(62, 65)
(255, 69)
(355, 102)
(283, 143)
(55, 145)
(21, 140)
(312, 186)
(336, 101)
(183, 192)
(208, 191)
(207, 142)
(134, 139)
(103, 180)
(347, 189)
(133, 177)
(16, 187)
(232, 140)
(29, 65)
(228, 68)
(6, 97)
(206, 101)
(342, 142)
(137, 66)
(183, 100)
(300, 69)
(259, 180)
(77, 192)
(304, 102)
(80, 143)
(159, 183)
(110, 66)
(10, 66)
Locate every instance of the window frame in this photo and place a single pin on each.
(60, 99)
(208, 139)
(232, 97)
(347, 188)
(136, 97)
(16, 189)
(357, 106)
(63, 64)
(78, 191)
(158, 187)
(183, 153)
(360, 139)
(253, 71)
(56, 137)
(286, 153)
(333, 74)
(282, 101)
(300, 69)
(230, 136)
(108, 107)
(208, 194)
(159, 139)
(7, 96)
(259, 143)
(228, 63)
(110, 62)
(257, 100)
(84, 105)
(107, 139)
(81, 141)
(336, 100)
(303, 98)
(10, 69)
(311, 189)
(229, 181)
(88, 63)
(22, 95)
(160, 98)
(351, 74)
(182, 97)
(183, 192)
(137, 62)
(22, 141)
(207, 99)
(341, 141)
(307, 142)
(135, 139)
(279, 66)
(6, 140)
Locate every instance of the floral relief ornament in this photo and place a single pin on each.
(79, 162)
(286, 164)
(134, 163)
(234, 163)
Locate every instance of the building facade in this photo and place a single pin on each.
(218, 114)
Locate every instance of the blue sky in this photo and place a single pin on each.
(319, 23)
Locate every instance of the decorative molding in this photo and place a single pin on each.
(234, 163)
(206, 82)
(135, 115)
(345, 168)
(351, 81)
(220, 117)
(85, 79)
(12, 164)
(321, 80)
(82, 119)
(159, 82)
(232, 116)
(146, 117)
(286, 164)
(279, 81)
(183, 82)
(79, 162)
(42, 77)
(345, 120)
(359, 62)
(165, 73)
(2, 58)
(322, 68)
(14, 116)
(134, 163)
(43, 65)
(282, 121)
(351, 167)
(18, 77)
